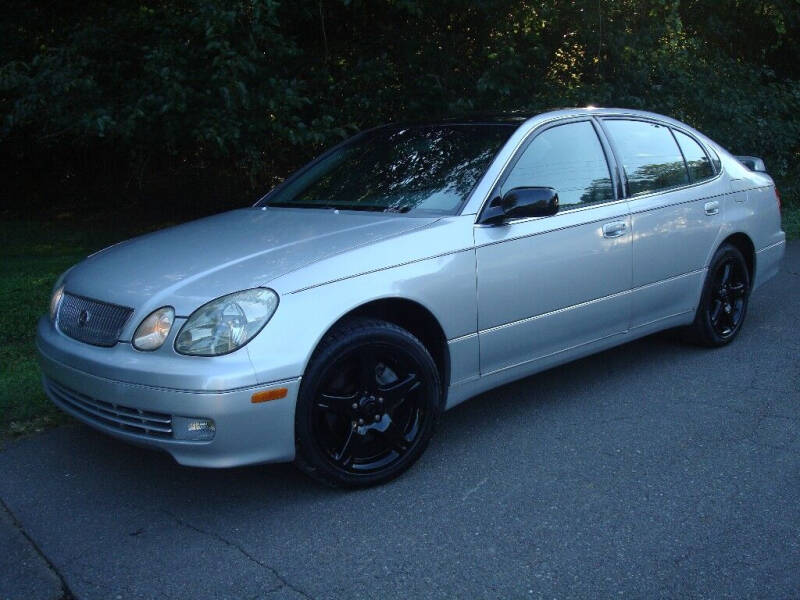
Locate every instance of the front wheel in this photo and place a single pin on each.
(723, 303)
(368, 404)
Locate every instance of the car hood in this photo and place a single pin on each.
(188, 265)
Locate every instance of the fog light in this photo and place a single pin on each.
(194, 429)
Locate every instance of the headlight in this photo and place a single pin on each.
(152, 332)
(55, 301)
(227, 323)
(58, 293)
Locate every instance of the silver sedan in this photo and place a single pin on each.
(401, 273)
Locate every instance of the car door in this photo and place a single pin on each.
(675, 197)
(553, 283)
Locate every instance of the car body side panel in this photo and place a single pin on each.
(447, 235)
(465, 390)
(672, 235)
(752, 211)
(551, 283)
(464, 358)
(444, 285)
(766, 223)
(768, 261)
(751, 208)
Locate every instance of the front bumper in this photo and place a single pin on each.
(245, 433)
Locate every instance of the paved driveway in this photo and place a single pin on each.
(654, 469)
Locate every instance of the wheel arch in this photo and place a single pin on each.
(742, 242)
(413, 317)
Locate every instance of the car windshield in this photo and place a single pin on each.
(423, 169)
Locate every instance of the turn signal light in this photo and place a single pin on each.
(267, 395)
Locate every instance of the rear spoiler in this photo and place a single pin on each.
(753, 163)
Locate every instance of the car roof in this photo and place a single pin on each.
(496, 118)
(602, 111)
(519, 117)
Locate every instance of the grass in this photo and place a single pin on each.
(33, 255)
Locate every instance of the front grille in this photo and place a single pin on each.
(91, 321)
(116, 416)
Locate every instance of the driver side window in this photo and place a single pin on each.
(568, 158)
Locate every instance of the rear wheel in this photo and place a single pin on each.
(368, 404)
(723, 304)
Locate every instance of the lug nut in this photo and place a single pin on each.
(380, 400)
(377, 417)
(355, 406)
(361, 421)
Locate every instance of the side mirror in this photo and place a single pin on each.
(521, 203)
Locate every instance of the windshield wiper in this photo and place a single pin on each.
(301, 205)
(398, 209)
(361, 207)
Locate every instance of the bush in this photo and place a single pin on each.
(199, 105)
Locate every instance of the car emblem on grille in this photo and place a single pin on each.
(84, 317)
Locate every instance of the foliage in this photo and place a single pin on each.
(791, 220)
(197, 104)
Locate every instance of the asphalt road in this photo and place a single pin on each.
(651, 470)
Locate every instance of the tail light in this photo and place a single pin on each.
(778, 196)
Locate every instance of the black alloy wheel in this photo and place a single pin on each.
(726, 309)
(368, 404)
(724, 300)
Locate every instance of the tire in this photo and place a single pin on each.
(723, 303)
(368, 404)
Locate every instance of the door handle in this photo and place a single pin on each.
(712, 208)
(615, 229)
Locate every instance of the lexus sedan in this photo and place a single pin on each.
(400, 273)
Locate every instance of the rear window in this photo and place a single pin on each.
(649, 154)
(696, 159)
